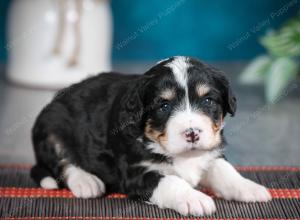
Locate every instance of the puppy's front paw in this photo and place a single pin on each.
(194, 203)
(248, 191)
(187, 202)
(174, 193)
(253, 192)
(84, 185)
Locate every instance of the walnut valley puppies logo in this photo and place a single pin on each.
(283, 9)
(262, 24)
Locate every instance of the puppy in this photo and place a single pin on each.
(154, 137)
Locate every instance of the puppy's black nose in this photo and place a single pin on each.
(192, 134)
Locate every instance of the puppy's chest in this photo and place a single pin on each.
(190, 168)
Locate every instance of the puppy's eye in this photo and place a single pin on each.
(165, 107)
(207, 102)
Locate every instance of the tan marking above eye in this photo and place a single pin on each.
(168, 94)
(202, 89)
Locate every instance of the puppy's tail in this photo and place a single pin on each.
(43, 177)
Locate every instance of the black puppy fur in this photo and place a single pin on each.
(99, 125)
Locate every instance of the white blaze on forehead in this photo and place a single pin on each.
(179, 67)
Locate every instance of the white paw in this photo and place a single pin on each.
(253, 192)
(194, 203)
(174, 193)
(83, 184)
(48, 182)
(249, 191)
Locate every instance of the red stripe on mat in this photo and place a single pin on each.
(64, 193)
(40, 192)
(240, 168)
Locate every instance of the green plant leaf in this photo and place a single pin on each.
(281, 73)
(284, 42)
(254, 73)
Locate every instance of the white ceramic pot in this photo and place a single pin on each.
(54, 43)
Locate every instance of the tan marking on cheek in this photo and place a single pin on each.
(202, 89)
(217, 126)
(154, 135)
(216, 135)
(216, 129)
(168, 94)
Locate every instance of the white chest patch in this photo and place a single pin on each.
(189, 166)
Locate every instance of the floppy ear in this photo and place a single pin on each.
(132, 106)
(134, 97)
(229, 105)
(231, 101)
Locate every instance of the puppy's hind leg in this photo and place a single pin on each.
(56, 156)
(54, 167)
(46, 172)
(83, 184)
(42, 176)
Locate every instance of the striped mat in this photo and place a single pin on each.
(21, 199)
